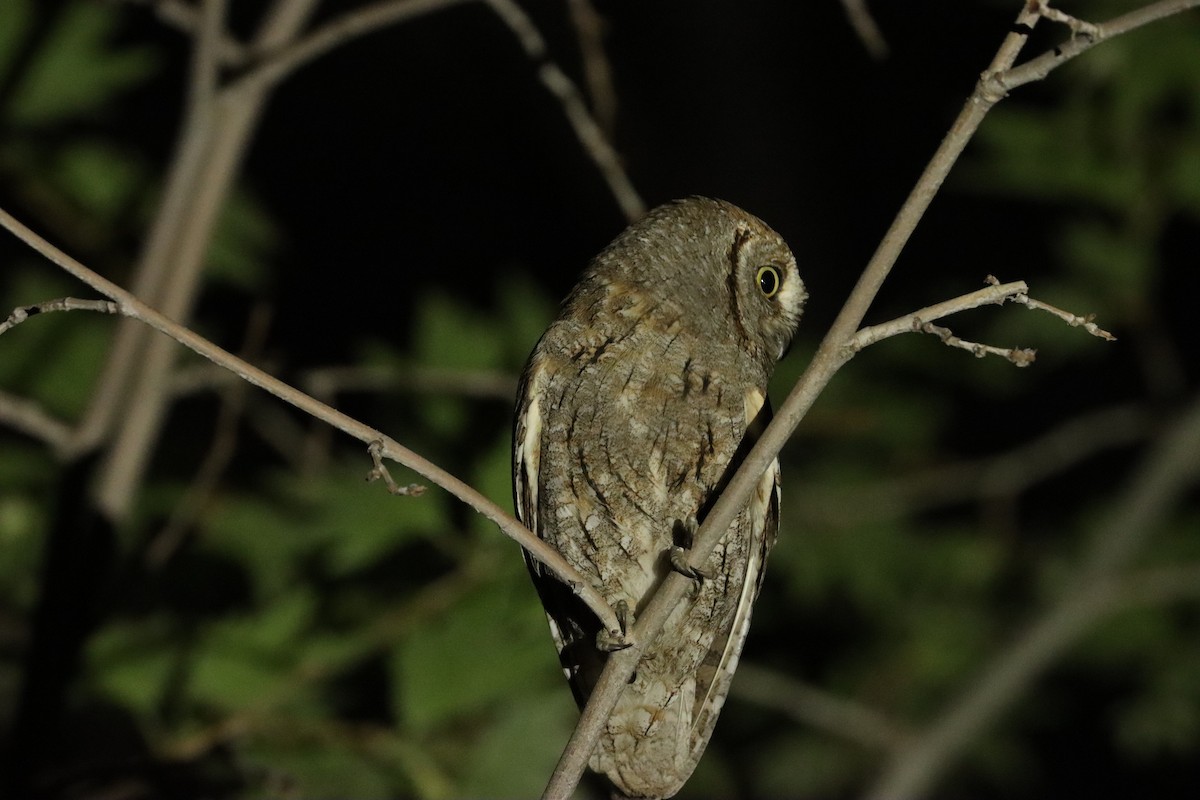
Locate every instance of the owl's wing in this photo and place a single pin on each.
(762, 512)
(572, 624)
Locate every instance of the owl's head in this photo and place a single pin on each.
(724, 270)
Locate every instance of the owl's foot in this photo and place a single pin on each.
(684, 533)
(611, 641)
(679, 563)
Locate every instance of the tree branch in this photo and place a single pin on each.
(1081, 41)
(371, 18)
(129, 306)
(811, 706)
(1165, 473)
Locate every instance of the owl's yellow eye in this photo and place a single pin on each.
(769, 280)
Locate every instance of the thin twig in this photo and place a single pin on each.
(1074, 320)
(1039, 67)
(994, 294)
(183, 16)
(380, 471)
(371, 18)
(31, 419)
(1019, 356)
(22, 313)
(590, 135)
(597, 71)
(130, 306)
(221, 450)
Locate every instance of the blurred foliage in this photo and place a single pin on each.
(299, 634)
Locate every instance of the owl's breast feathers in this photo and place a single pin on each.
(628, 427)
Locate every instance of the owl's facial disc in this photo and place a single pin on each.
(771, 293)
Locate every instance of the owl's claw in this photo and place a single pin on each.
(679, 563)
(611, 641)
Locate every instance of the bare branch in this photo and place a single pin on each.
(371, 18)
(1001, 476)
(31, 419)
(1077, 26)
(1083, 38)
(597, 71)
(184, 17)
(130, 306)
(1074, 320)
(865, 28)
(22, 313)
(809, 705)
(326, 382)
(1166, 472)
(380, 470)
(136, 380)
(202, 84)
(586, 130)
(995, 294)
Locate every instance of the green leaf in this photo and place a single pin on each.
(526, 311)
(248, 661)
(450, 335)
(15, 18)
(489, 649)
(1119, 264)
(492, 476)
(357, 522)
(315, 763)
(132, 663)
(54, 358)
(100, 178)
(77, 70)
(515, 756)
(243, 243)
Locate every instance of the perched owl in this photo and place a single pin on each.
(634, 410)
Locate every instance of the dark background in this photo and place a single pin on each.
(427, 203)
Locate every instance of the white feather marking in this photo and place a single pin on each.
(528, 456)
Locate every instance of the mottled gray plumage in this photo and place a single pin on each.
(632, 413)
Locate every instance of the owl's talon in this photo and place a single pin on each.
(679, 563)
(611, 641)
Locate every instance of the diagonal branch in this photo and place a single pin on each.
(129, 306)
(1167, 471)
(1080, 42)
(832, 353)
(359, 22)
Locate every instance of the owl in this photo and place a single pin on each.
(634, 410)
